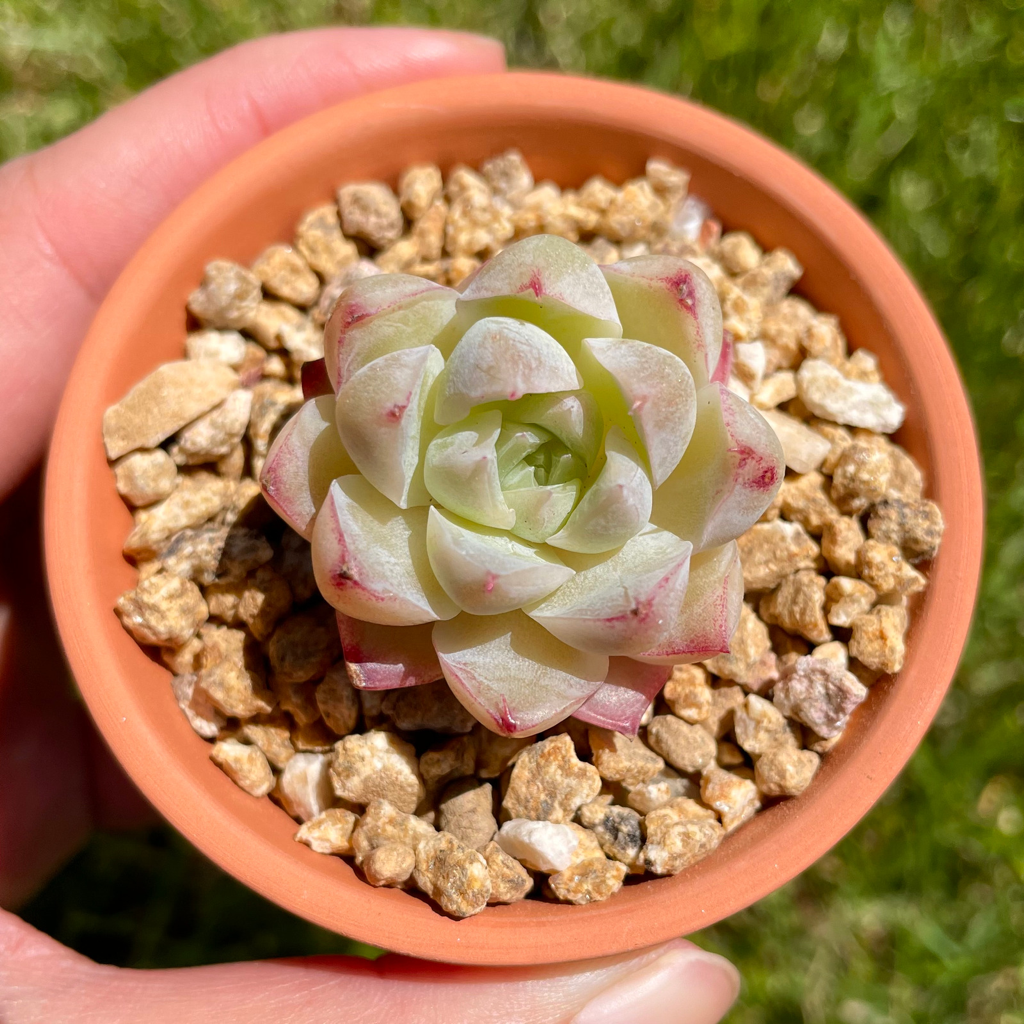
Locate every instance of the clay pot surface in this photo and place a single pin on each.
(568, 129)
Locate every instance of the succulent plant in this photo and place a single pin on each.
(531, 487)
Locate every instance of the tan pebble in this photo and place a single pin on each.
(819, 744)
(798, 605)
(304, 646)
(678, 835)
(841, 542)
(824, 339)
(846, 598)
(264, 599)
(232, 465)
(272, 738)
(834, 650)
(398, 257)
(231, 673)
(338, 701)
(164, 610)
(304, 786)
(549, 782)
(831, 396)
(295, 564)
(751, 660)
(458, 268)
(759, 726)
(370, 210)
(313, 737)
(477, 223)
(783, 327)
(303, 340)
(724, 700)
(776, 388)
(215, 434)
(298, 699)
(686, 747)
(666, 786)
(495, 753)
(370, 702)
(216, 552)
(284, 272)
(906, 482)
(786, 644)
(377, 765)
(738, 252)
(618, 830)
(383, 824)
(272, 402)
(877, 638)
(446, 761)
(509, 175)
(452, 875)
(624, 759)
(390, 865)
(578, 731)
(330, 832)
(430, 706)
(804, 449)
(226, 297)
(244, 765)
(172, 396)
(915, 527)
(464, 181)
(748, 364)
(729, 755)
(145, 476)
(601, 251)
(428, 234)
(868, 676)
(732, 796)
(838, 437)
(227, 347)
(805, 500)
(184, 659)
(861, 476)
(882, 567)
(588, 881)
(742, 313)
(820, 693)
(419, 185)
(466, 812)
(769, 552)
(510, 881)
(319, 240)
(688, 692)
(785, 771)
(597, 193)
(666, 178)
(863, 366)
(772, 278)
(632, 212)
(206, 719)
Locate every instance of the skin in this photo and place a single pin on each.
(71, 216)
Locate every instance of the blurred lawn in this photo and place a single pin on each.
(917, 113)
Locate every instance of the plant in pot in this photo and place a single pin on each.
(511, 489)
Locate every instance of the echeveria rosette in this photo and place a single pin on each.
(531, 487)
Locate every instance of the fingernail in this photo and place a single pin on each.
(684, 986)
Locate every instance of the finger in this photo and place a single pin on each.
(672, 984)
(72, 215)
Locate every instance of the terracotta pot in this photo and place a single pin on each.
(568, 129)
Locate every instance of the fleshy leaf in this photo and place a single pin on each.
(380, 411)
(622, 699)
(384, 313)
(487, 572)
(542, 510)
(511, 674)
(710, 611)
(616, 506)
(370, 558)
(515, 442)
(729, 475)
(303, 460)
(624, 603)
(669, 302)
(461, 471)
(549, 282)
(574, 417)
(315, 381)
(501, 359)
(657, 391)
(388, 657)
(723, 370)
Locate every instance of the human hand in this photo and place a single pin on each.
(71, 216)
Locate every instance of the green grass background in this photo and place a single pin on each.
(916, 112)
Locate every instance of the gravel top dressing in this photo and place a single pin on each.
(527, 737)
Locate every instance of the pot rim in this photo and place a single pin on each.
(759, 858)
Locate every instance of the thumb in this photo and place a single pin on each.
(677, 983)
(72, 215)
